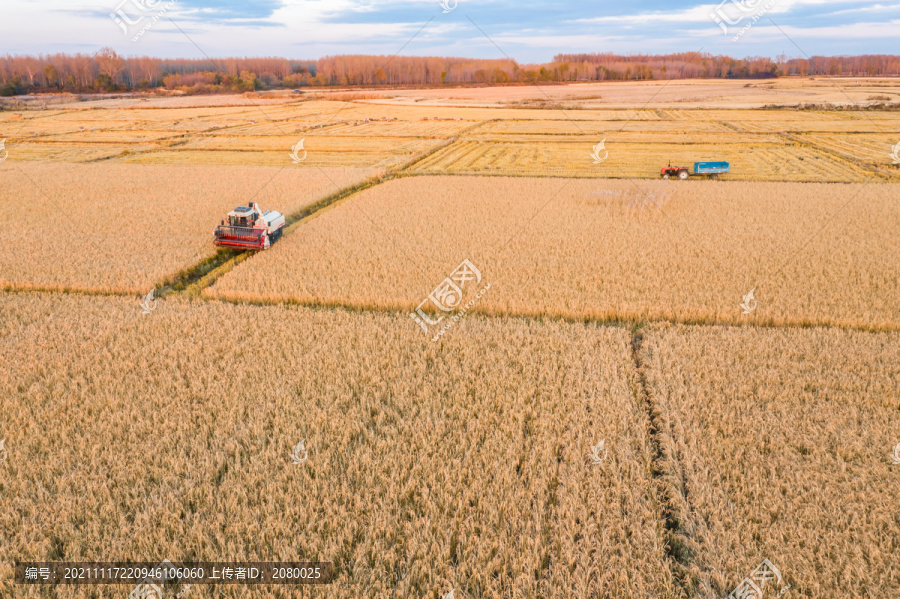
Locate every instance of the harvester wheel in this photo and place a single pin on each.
(666, 176)
(683, 175)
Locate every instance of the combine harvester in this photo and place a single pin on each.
(701, 169)
(250, 228)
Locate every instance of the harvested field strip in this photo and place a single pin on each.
(34, 152)
(861, 125)
(585, 127)
(772, 438)
(774, 161)
(649, 138)
(425, 467)
(359, 135)
(313, 143)
(872, 150)
(326, 158)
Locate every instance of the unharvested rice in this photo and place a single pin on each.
(463, 466)
(777, 445)
(608, 250)
(127, 228)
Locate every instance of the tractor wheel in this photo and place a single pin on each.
(683, 175)
(714, 177)
(666, 176)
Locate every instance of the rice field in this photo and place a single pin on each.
(761, 144)
(427, 468)
(659, 385)
(777, 445)
(610, 250)
(120, 228)
(666, 95)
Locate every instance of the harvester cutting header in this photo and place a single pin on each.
(250, 228)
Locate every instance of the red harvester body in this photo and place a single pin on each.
(249, 228)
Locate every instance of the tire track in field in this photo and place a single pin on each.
(669, 482)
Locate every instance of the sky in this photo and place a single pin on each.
(528, 31)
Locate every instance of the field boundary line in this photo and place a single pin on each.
(604, 317)
(610, 318)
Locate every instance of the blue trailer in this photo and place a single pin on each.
(701, 169)
(711, 168)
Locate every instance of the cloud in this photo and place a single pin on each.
(876, 8)
(230, 10)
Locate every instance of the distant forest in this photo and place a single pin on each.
(106, 71)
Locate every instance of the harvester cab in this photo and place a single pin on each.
(242, 216)
(249, 228)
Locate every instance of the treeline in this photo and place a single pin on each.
(107, 71)
(693, 65)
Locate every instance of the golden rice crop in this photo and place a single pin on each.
(125, 228)
(777, 445)
(600, 249)
(429, 467)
